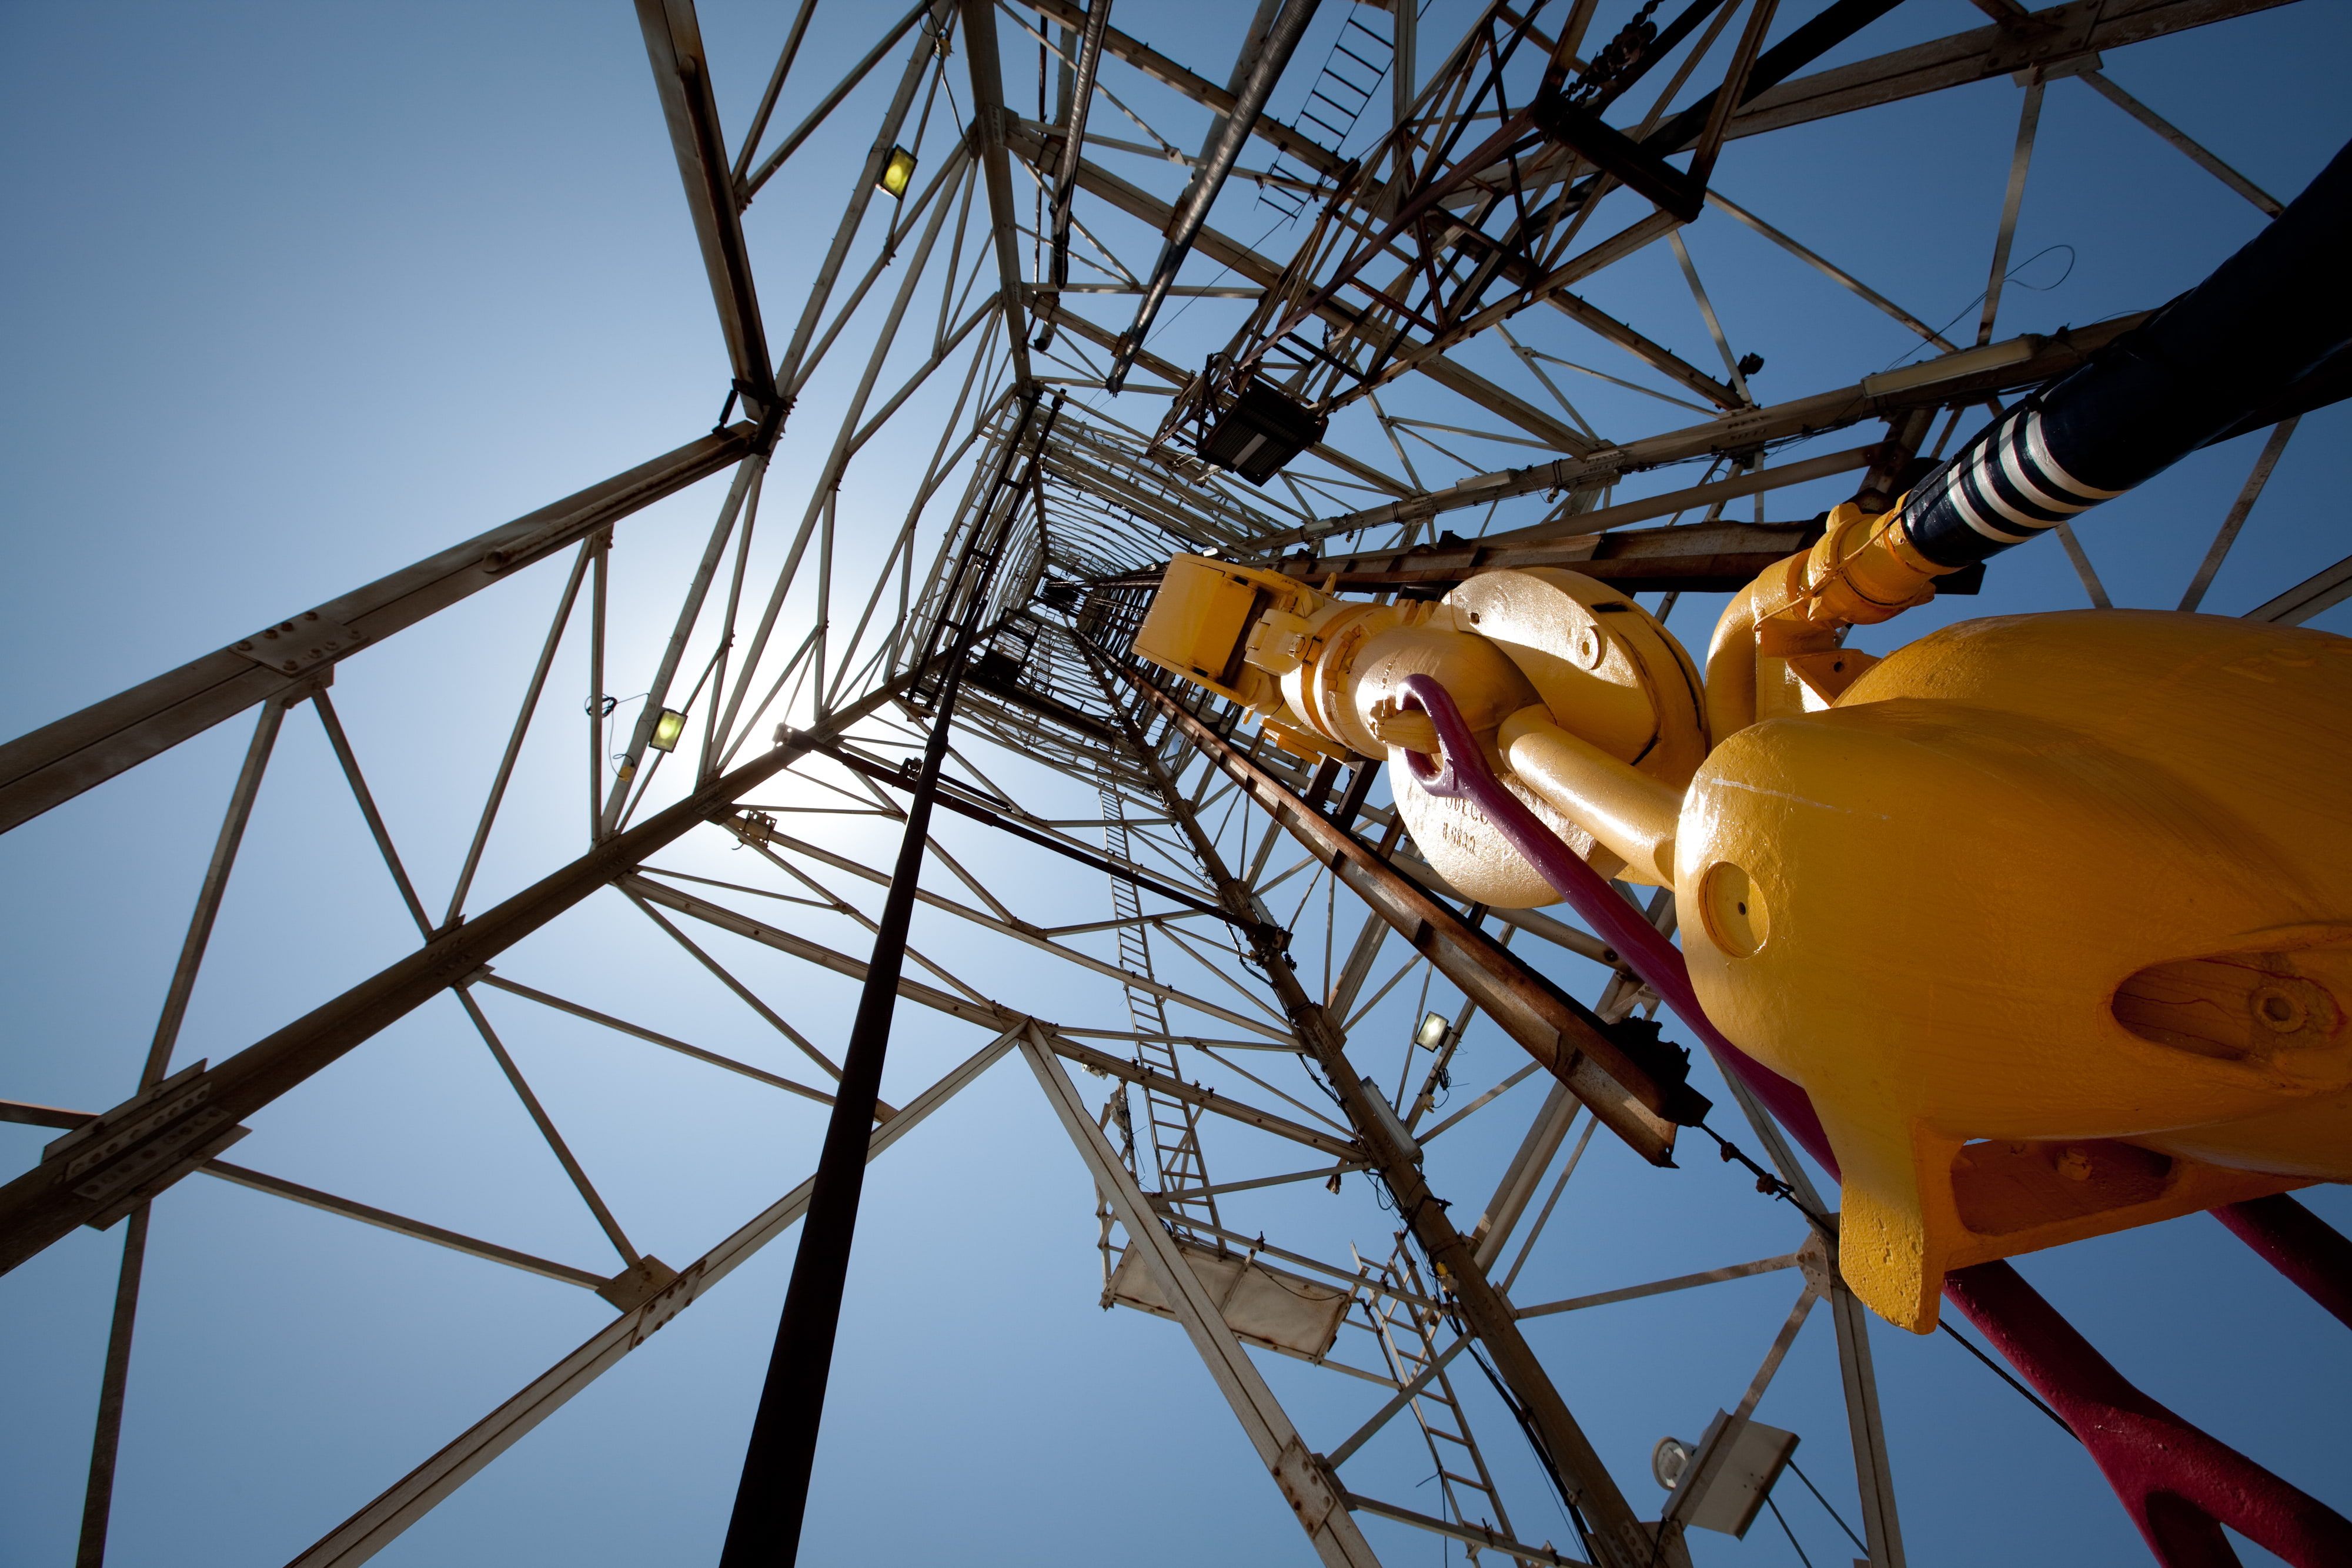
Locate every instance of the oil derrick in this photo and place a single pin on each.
(1452, 839)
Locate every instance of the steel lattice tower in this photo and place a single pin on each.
(944, 479)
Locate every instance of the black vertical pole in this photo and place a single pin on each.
(772, 1499)
(773, 1496)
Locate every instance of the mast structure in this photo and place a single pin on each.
(926, 508)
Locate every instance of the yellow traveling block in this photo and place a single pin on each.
(2050, 915)
(2031, 885)
(1199, 619)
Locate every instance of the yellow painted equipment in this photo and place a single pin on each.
(2050, 916)
(2034, 882)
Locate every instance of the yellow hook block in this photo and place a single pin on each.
(2052, 917)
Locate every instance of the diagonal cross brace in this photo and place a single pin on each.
(43, 1205)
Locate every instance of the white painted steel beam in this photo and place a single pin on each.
(1307, 1482)
(377, 1525)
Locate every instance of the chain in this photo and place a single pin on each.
(1621, 55)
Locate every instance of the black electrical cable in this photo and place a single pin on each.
(1786, 1530)
(1842, 1524)
(2009, 279)
(1569, 1509)
(2002, 1372)
(1765, 1182)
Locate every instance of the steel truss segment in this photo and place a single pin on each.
(1305, 1477)
(1174, 1124)
(1709, 1461)
(1028, 141)
(748, 185)
(1407, 1343)
(400, 1225)
(39, 1207)
(1428, 218)
(988, 1014)
(260, 1181)
(1858, 1379)
(378, 1525)
(1474, 227)
(2057, 34)
(1495, 1539)
(53, 764)
(989, 115)
(2323, 590)
(1660, 1287)
(1471, 1534)
(605, 1221)
(1167, 73)
(682, 76)
(208, 896)
(1966, 379)
(98, 1495)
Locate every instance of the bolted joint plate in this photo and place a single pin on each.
(293, 646)
(655, 1312)
(1306, 1484)
(125, 1157)
(640, 1282)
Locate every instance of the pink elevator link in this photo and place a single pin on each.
(2178, 1483)
(1460, 772)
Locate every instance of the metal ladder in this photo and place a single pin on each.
(1175, 1123)
(1337, 96)
(1404, 1334)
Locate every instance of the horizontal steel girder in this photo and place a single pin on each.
(1699, 558)
(1693, 558)
(1972, 376)
(58, 761)
(2043, 38)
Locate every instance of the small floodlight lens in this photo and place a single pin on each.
(667, 729)
(897, 173)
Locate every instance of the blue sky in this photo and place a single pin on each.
(294, 296)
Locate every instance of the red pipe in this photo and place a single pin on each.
(2178, 1483)
(1460, 772)
(2299, 1244)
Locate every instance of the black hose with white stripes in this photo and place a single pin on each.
(2268, 315)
